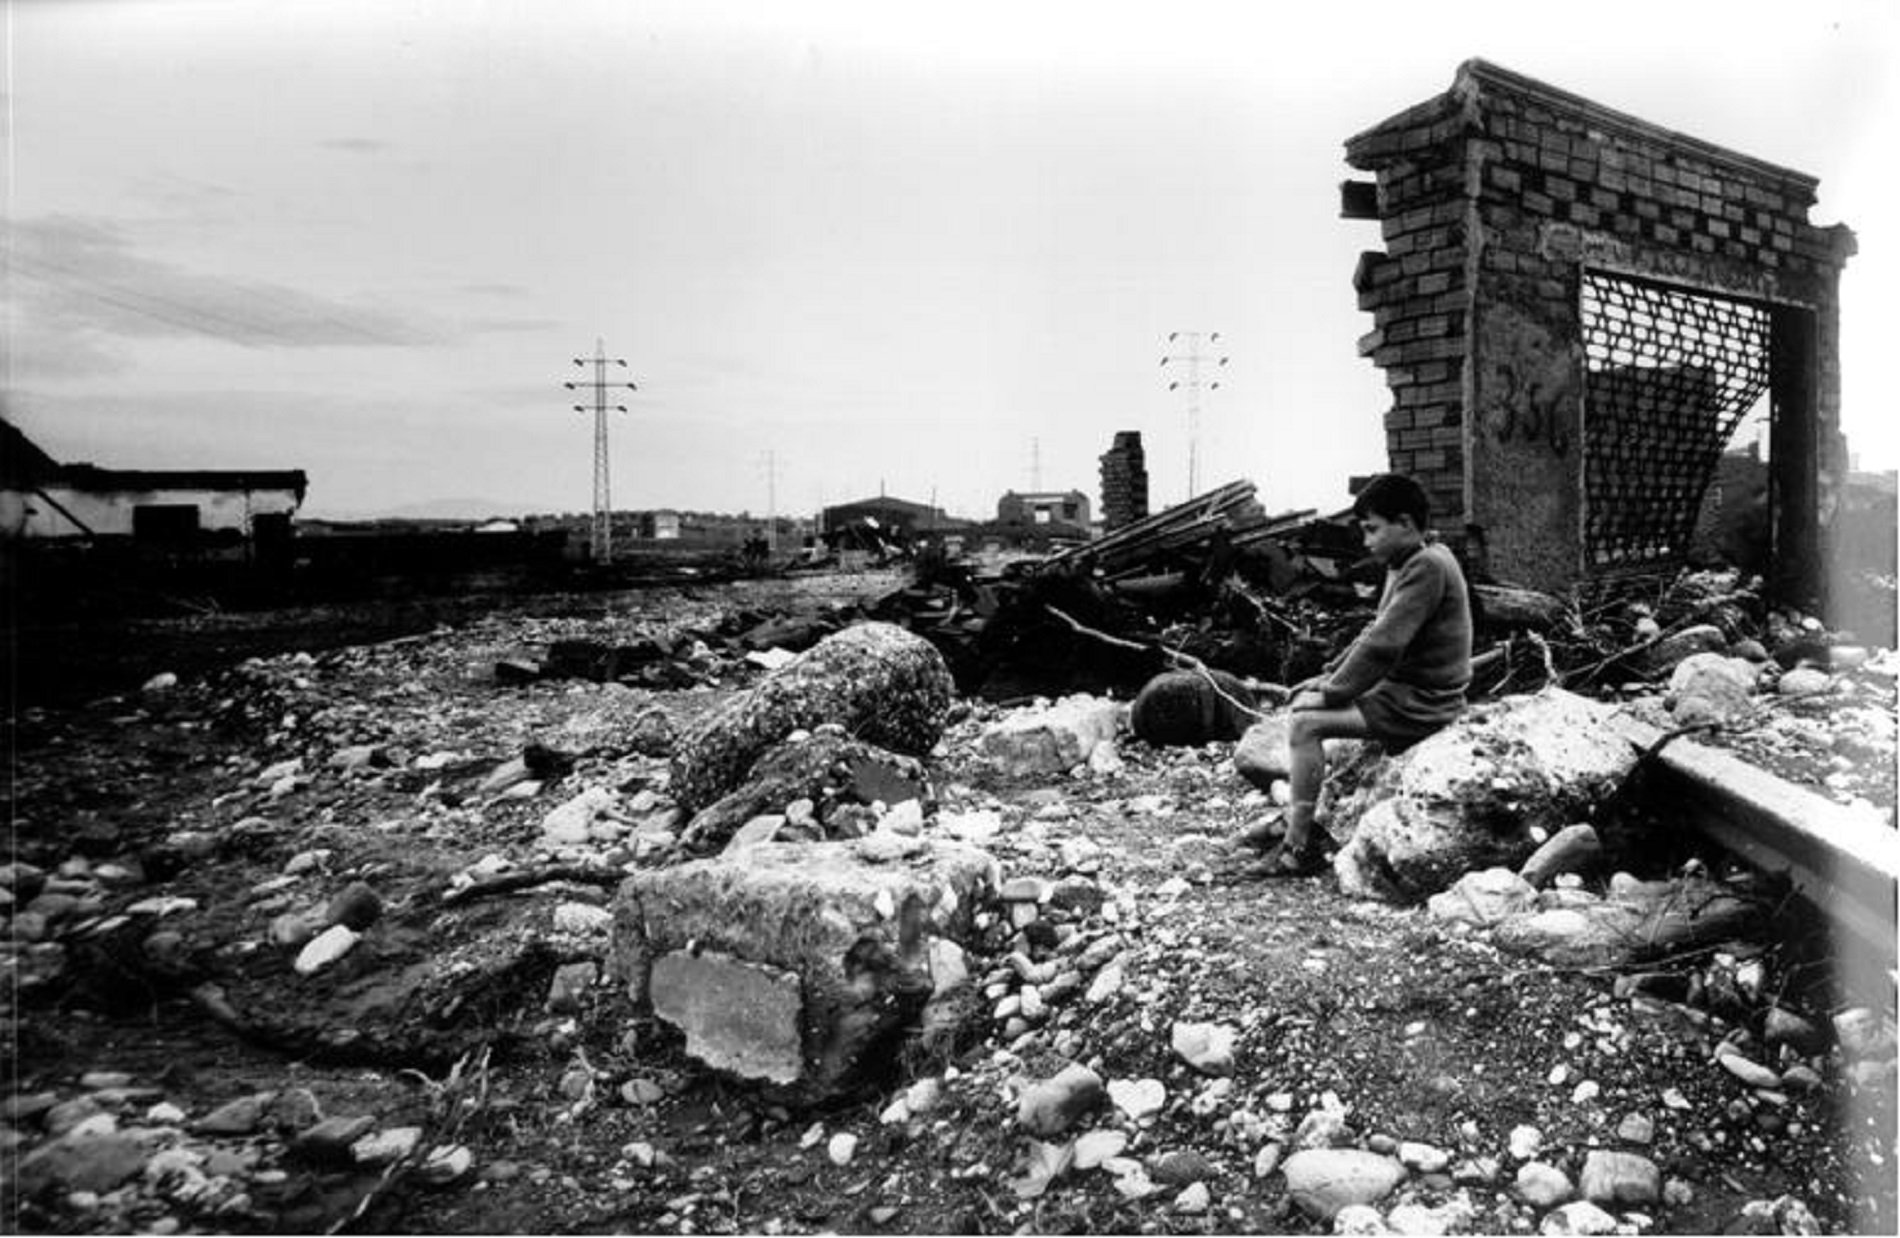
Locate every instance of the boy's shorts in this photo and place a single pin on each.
(1399, 715)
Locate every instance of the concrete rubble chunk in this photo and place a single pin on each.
(1051, 740)
(1578, 1217)
(881, 683)
(1469, 797)
(781, 965)
(834, 770)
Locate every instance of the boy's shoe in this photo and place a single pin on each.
(1283, 861)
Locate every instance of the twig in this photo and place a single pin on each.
(1182, 661)
(506, 883)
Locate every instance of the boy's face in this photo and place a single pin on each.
(1385, 539)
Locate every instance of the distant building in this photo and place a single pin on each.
(892, 515)
(43, 499)
(1124, 481)
(1070, 507)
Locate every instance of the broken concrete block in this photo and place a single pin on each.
(738, 1016)
(1052, 740)
(1185, 709)
(1468, 798)
(882, 684)
(828, 769)
(822, 952)
(1711, 688)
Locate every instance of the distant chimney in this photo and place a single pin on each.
(1124, 481)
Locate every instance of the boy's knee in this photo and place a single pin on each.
(1304, 728)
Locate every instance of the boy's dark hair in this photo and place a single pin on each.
(1391, 495)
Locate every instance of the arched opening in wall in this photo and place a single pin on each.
(1675, 380)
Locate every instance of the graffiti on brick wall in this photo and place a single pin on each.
(1530, 410)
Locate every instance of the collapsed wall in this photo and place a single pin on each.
(1575, 310)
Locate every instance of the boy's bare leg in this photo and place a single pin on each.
(1306, 736)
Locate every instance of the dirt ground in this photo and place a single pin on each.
(579, 1115)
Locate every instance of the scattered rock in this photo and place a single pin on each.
(1054, 1105)
(1321, 1181)
(1468, 798)
(1542, 1185)
(1052, 740)
(1579, 1217)
(1620, 1178)
(1710, 688)
(1207, 1047)
(1137, 1098)
(1573, 849)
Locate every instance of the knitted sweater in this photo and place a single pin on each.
(1419, 642)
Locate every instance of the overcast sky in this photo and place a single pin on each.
(931, 249)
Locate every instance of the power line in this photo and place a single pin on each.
(1193, 358)
(603, 533)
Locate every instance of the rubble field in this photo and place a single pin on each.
(330, 939)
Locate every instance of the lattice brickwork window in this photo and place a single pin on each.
(1669, 374)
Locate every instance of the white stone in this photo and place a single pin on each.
(572, 821)
(325, 948)
(842, 1147)
(1207, 1047)
(1193, 1200)
(384, 1146)
(1321, 1181)
(583, 919)
(1580, 1217)
(1360, 1220)
(1098, 1146)
(1137, 1098)
(1423, 1157)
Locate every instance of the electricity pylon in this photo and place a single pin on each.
(1193, 358)
(601, 543)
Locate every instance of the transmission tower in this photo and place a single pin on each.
(1193, 358)
(601, 543)
(769, 460)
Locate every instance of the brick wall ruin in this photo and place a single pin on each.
(1574, 310)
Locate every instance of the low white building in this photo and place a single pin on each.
(43, 499)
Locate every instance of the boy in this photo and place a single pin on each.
(1401, 680)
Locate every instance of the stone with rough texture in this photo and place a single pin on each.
(1620, 1178)
(1483, 898)
(1052, 740)
(1578, 1217)
(829, 769)
(1050, 1107)
(852, 926)
(1321, 1181)
(1570, 850)
(738, 1016)
(1542, 1185)
(1672, 650)
(1711, 688)
(1804, 681)
(1469, 797)
(1261, 756)
(76, 1162)
(1207, 1047)
(1185, 709)
(882, 684)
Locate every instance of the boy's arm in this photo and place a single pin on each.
(1416, 592)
